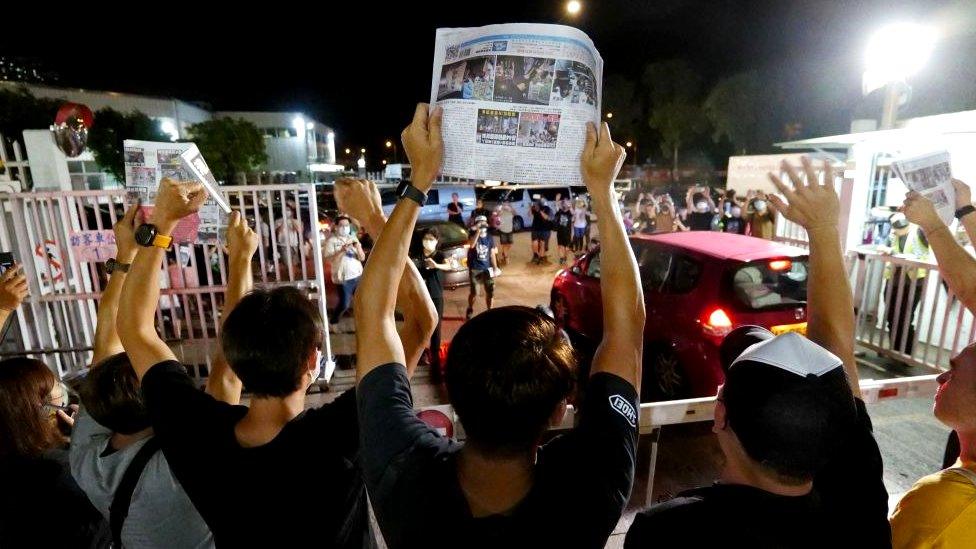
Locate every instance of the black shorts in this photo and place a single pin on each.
(564, 238)
(505, 238)
(541, 235)
(483, 278)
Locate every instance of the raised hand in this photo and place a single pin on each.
(964, 196)
(359, 198)
(811, 205)
(242, 241)
(13, 288)
(177, 199)
(424, 146)
(601, 160)
(125, 235)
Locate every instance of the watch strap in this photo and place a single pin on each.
(407, 190)
(964, 211)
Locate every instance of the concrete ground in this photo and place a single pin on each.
(910, 438)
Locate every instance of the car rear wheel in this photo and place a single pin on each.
(663, 375)
(518, 224)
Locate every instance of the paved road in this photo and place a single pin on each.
(911, 440)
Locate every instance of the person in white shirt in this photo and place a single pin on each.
(506, 229)
(344, 252)
(580, 221)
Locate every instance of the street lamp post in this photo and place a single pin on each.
(629, 145)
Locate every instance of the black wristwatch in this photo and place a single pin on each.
(113, 265)
(964, 211)
(407, 190)
(148, 235)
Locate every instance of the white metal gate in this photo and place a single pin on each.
(55, 235)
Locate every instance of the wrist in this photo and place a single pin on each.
(374, 222)
(423, 179)
(823, 231)
(126, 256)
(164, 225)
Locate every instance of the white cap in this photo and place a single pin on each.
(793, 353)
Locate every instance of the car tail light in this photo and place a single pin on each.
(717, 323)
(780, 265)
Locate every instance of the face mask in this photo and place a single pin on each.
(736, 212)
(430, 245)
(760, 205)
(702, 207)
(318, 365)
(483, 232)
(345, 231)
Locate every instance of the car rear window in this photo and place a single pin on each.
(771, 284)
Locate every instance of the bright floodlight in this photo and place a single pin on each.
(361, 163)
(898, 51)
(573, 7)
(310, 125)
(169, 128)
(299, 124)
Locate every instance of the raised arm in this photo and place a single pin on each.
(956, 266)
(13, 290)
(361, 199)
(223, 384)
(830, 305)
(107, 342)
(621, 350)
(140, 293)
(964, 197)
(378, 342)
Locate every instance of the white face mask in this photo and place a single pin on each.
(702, 207)
(736, 212)
(318, 366)
(483, 232)
(760, 205)
(345, 230)
(430, 245)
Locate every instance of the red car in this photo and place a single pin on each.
(698, 286)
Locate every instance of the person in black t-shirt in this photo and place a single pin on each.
(734, 222)
(246, 469)
(541, 231)
(509, 372)
(564, 230)
(455, 210)
(802, 468)
(701, 209)
(432, 265)
(479, 211)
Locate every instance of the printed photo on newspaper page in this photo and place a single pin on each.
(930, 175)
(146, 164)
(516, 101)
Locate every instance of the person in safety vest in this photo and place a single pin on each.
(904, 285)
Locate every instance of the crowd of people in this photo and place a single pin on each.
(151, 460)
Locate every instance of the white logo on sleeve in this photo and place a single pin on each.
(624, 408)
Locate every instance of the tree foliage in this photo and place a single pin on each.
(231, 146)
(111, 128)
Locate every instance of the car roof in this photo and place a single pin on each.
(725, 245)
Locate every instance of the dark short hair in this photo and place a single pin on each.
(25, 384)
(431, 231)
(790, 425)
(507, 370)
(112, 396)
(343, 217)
(268, 339)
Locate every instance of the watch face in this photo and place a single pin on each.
(145, 234)
(110, 265)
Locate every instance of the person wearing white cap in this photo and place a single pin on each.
(482, 263)
(802, 468)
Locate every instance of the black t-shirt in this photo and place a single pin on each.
(302, 489)
(848, 507)
(433, 278)
(539, 223)
(564, 221)
(41, 505)
(700, 221)
(582, 478)
(480, 211)
(735, 225)
(455, 217)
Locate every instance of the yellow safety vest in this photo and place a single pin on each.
(913, 247)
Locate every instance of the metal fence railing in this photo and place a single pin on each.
(63, 239)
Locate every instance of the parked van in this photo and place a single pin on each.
(438, 197)
(521, 198)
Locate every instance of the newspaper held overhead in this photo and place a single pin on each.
(149, 162)
(930, 175)
(516, 100)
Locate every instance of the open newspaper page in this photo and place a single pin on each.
(516, 100)
(147, 163)
(930, 175)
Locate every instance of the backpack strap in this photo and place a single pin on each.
(119, 509)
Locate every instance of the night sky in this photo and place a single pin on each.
(360, 66)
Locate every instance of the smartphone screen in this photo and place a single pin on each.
(6, 261)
